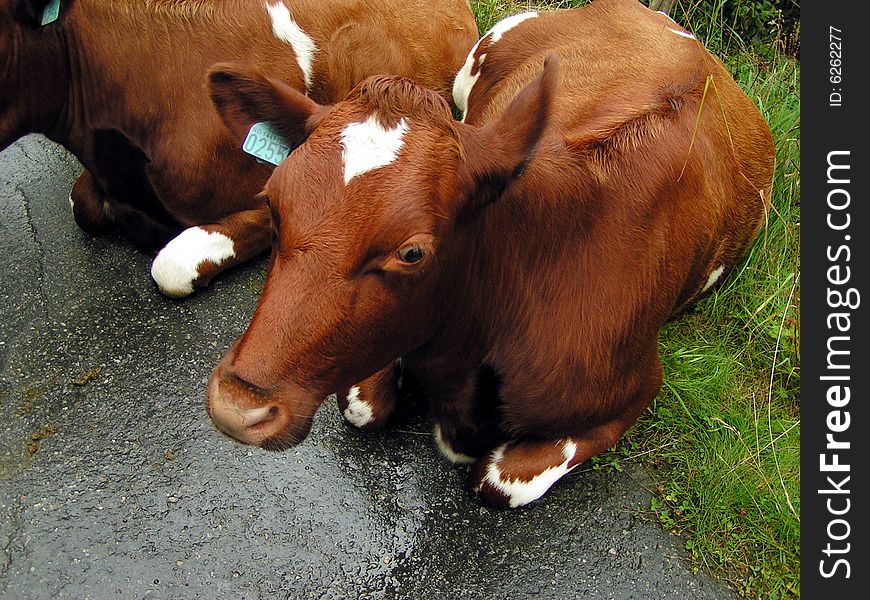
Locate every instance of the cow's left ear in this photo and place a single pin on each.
(39, 13)
(498, 152)
(243, 97)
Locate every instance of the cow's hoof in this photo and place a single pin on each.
(448, 451)
(190, 260)
(519, 473)
(88, 208)
(360, 407)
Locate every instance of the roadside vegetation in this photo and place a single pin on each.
(722, 439)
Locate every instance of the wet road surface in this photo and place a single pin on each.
(114, 484)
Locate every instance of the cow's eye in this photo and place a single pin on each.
(411, 254)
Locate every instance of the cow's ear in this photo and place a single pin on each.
(498, 152)
(243, 97)
(39, 13)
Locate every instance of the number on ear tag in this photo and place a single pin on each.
(51, 12)
(265, 143)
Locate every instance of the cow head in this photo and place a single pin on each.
(32, 66)
(373, 220)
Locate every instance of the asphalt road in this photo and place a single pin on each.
(114, 484)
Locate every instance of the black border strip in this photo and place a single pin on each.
(835, 228)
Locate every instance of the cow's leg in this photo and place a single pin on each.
(522, 471)
(191, 259)
(461, 440)
(97, 212)
(466, 420)
(89, 205)
(369, 403)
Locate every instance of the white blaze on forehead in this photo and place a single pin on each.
(287, 30)
(713, 278)
(177, 265)
(358, 412)
(368, 145)
(519, 492)
(464, 81)
(457, 458)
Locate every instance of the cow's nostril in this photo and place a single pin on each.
(252, 418)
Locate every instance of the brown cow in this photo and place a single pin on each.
(122, 86)
(521, 263)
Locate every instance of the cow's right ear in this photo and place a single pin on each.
(39, 13)
(243, 97)
(498, 152)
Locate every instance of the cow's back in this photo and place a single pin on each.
(683, 197)
(426, 50)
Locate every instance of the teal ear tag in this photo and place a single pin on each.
(266, 144)
(51, 12)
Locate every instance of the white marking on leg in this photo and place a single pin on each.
(521, 492)
(358, 411)
(457, 458)
(713, 278)
(368, 145)
(661, 12)
(464, 81)
(287, 30)
(177, 265)
(684, 34)
(401, 369)
(72, 205)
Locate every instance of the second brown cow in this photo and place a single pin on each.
(122, 86)
(520, 263)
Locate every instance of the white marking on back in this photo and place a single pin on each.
(713, 278)
(72, 204)
(367, 146)
(521, 492)
(464, 81)
(504, 25)
(684, 34)
(358, 412)
(457, 458)
(176, 267)
(287, 30)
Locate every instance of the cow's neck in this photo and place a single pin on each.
(523, 246)
(40, 82)
(118, 59)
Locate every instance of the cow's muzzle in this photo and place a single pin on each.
(274, 419)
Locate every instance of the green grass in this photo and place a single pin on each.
(722, 439)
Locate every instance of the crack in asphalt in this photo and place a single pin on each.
(40, 248)
(15, 509)
(23, 151)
